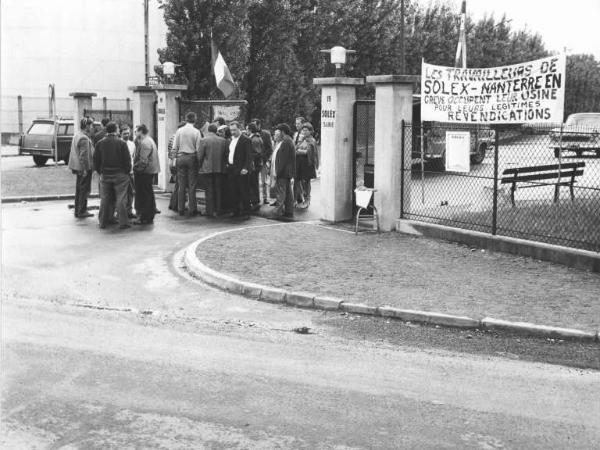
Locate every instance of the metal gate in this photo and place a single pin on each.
(121, 117)
(364, 143)
(208, 110)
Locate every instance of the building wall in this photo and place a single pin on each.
(79, 45)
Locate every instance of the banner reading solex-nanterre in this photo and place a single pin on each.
(529, 92)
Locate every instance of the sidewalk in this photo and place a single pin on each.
(407, 272)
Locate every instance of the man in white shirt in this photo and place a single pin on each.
(185, 154)
(126, 136)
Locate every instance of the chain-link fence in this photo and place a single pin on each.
(533, 182)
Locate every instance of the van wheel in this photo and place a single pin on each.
(478, 157)
(40, 161)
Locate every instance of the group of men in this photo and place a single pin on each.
(233, 163)
(126, 168)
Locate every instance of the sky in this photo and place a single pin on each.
(573, 24)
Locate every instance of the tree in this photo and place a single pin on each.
(189, 24)
(582, 89)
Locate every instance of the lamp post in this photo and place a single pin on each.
(169, 70)
(338, 58)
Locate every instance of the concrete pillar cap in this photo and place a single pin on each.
(393, 79)
(82, 94)
(338, 81)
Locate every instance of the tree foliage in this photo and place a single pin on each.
(272, 46)
(583, 84)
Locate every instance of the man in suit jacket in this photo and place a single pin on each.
(82, 164)
(212, 159)
(283, 169)
(239, 166)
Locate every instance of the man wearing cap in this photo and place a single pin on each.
(81, 164)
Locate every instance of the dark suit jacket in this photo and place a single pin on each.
(242, 158)
(212, 154)
(285, 162)
(112, 156)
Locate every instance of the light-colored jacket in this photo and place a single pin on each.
(81, 156)
(187, 140)
(146, 158)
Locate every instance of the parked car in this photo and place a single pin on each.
(580, 133)
(434, 148)
(44, 136)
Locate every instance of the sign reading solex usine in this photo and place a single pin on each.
(529, 92)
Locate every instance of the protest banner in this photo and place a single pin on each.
(533, 91)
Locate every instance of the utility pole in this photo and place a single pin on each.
(402, 38)
(461, 49)
(146, 45)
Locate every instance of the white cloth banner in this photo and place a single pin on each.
(529, 92)
(458, 149)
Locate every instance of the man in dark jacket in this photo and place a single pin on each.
(266, 159)
(113, 162)
(212, 157)
(239, 166)
(283, 170)
(101, 134)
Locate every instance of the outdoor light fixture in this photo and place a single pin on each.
(338, 57)
(168, 68)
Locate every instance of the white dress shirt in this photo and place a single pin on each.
(232, 145)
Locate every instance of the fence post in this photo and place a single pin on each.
(127, 104)
(495, 199)
(104, 106)
(402, 174)
(20, 113)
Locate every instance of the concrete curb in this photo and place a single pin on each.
(313, 301)
(48, 198)
(571, 257)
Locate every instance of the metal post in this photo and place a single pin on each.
(402, 174)
(495, 198)
(402, 37)
(20, 113)
(128, 104)
(104, 106)
(146, 44)
(422, 165)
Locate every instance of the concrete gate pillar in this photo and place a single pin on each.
(393, 104)
(81, 102)
(167, 118)
(337, 108)
(143, 107)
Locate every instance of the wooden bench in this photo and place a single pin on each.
(550, 175)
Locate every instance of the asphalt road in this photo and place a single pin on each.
(107, 345)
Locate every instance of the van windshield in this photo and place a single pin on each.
(584, 120)
(42, 128)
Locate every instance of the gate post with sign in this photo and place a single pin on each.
(82, 101)
(393, 104)
(167, 118)
(143, 107)
(338, 95)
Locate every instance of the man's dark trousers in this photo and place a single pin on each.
(83, 187)
(214, 193)
(239, 193)
(145, 202)
(113, 195)
(285, 197)
(187, 179)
